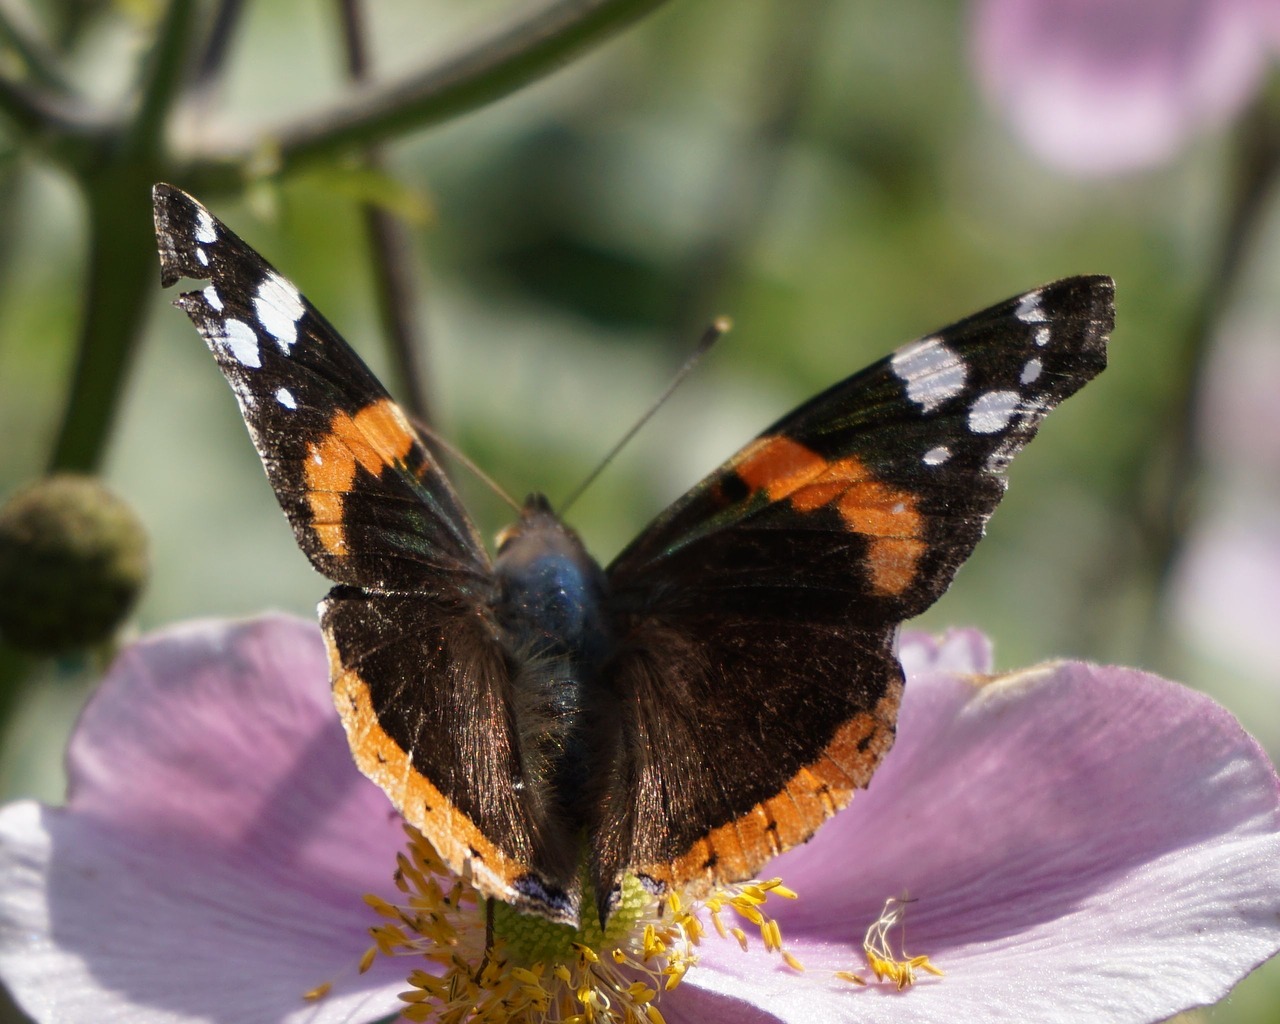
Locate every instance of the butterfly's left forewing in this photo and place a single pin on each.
(320, 419)
(756, 670)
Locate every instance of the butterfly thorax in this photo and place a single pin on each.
(549, 607)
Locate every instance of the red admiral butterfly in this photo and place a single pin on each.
(717, 692)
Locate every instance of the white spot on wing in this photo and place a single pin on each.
(992, 410)
(206, 230)
(203, 257)
(279, 307)
(238, 339)
(931, 371)
(1031, 371)
(212, 297)
(936, 456)
(1041, 337)
(1029, 311)
(285, 397)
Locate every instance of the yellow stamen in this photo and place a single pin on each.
(899, 969)
(319, 992)
(536, 972)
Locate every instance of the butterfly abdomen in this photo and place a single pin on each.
(549, 608)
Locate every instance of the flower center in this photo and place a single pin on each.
(506, 967)
(530, 939)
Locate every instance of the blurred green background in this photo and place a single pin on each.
(826, 173)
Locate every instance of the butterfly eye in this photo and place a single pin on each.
(505, 536)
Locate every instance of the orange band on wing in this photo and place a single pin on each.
(735, 851)
(889, 516)
(461, 845)
(376, 437)
(778, 466)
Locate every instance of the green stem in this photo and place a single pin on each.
(15, 669)
(392, 257)
(166, 69)
(42, 110)
(32, 111)
(1171, 485)
(39, 61)
(1159, 496)
(213, 52)
(120, 277)
(61, 127)
(495, 66)
(390, 251)
(120, 274)
(784, 71)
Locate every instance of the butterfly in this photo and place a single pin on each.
(717, 692)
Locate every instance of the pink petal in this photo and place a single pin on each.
(691, 1005)
(1110, 830)
(211, 859)
(1095, 86)
(228, 735)
(1081, 842)
(958, 651)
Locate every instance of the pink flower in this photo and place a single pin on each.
(1099, 86)
(1077, 841)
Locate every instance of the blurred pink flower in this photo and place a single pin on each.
(1102, 86)
(1079, 842)
(1239, 417)
(1226, 589)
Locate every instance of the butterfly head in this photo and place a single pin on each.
(536, 508)
(551, 586)
(538, 530)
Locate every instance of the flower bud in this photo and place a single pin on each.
(73, 559)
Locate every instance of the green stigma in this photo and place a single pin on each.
(530, 939)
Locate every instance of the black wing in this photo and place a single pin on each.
(757, 679)
(419, 675)
(368, 504)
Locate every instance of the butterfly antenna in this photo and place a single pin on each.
(440, 444)
(716, 330)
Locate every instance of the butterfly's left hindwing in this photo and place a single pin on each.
(774, 589)
(423, 690)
